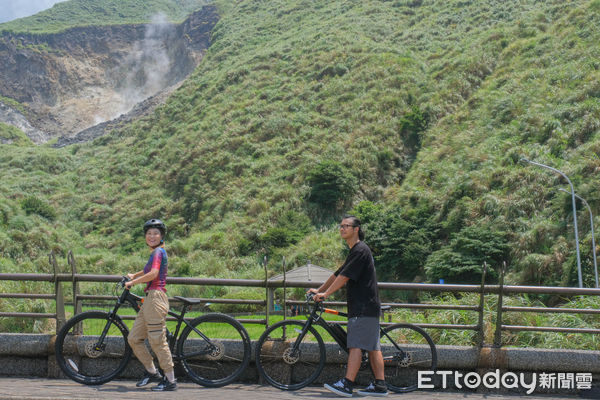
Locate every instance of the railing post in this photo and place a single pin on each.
(77, 308)
(481, 303)
(267, 292)
(58, 293)
(498, 334)
(76, 302)
(284, 291)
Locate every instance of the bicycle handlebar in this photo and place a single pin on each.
(310, 297)
(124, 279)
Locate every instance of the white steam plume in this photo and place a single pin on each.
(146, 68)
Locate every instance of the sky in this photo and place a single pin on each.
(13, 9)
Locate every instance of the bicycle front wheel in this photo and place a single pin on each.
(282, 366)
(406, 350)
(83, 357)
(214, 350)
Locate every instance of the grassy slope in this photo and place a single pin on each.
(73, 13)
(541, 102)
(289, 83)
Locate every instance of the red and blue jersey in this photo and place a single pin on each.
(158, 261)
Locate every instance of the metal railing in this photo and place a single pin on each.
(482, 290)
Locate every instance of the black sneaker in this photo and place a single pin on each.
(149, 378)
(165, 386)
(343, 387)
(376, 388)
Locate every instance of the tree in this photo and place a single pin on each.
(461, 261)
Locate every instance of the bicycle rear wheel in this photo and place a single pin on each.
(406, 350)
(283, 368)
(214, 350)
(85, 360)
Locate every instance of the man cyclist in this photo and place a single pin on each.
(364, 308)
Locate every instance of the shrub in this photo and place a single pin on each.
(33, 205)
(331, 184)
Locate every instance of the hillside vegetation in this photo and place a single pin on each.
(73, 13)
(411, 113)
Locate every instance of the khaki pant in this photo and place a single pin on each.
(150, 324)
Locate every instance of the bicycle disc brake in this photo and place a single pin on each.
(217, 352)
(92, 351)
(290, 358)
(405, 359)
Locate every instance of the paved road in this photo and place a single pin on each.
(46, 389)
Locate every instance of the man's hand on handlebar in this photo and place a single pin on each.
(319, 297)
(315, 295)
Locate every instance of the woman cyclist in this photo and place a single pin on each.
(150, 322)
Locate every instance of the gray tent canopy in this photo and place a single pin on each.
(308, 272)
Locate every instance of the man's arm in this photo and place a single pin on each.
(324, 286)
(337, 284)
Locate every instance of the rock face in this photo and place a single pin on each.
(77, 79)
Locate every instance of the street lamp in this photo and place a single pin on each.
(592, 226)
(574, 212)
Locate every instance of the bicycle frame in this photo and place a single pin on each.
(314, 318)
(135, 300)
(334, 329)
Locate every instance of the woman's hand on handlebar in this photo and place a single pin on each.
(126, 282)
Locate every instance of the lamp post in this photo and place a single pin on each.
(592, 227)
(574, 212)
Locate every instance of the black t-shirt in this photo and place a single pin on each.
(363, 295)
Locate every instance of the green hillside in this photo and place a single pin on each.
(72, 13)
(414, 113)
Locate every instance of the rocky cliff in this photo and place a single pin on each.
(83, 77)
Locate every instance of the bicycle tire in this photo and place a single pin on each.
(80, 361)
(290, 371)
(223, 362)
(411, 351)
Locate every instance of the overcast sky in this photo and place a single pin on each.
(13, 9)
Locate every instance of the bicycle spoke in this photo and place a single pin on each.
(82, 358)
(214, 349)
(406, 350)
(282, 365)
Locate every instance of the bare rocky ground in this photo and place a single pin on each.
(82, 83)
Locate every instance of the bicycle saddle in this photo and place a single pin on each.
(187, 301)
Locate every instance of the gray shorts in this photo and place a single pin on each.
(363, 333)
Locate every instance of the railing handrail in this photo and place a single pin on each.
(260, 283)
(482, 290)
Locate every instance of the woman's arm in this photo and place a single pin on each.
(135, 275)
(150, 276)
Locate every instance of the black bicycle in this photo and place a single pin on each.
(91, 348)
(291, 354)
